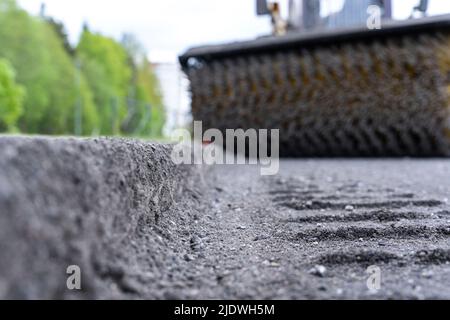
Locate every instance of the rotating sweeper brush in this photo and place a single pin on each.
(331, 85)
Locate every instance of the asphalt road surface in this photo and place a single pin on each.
(141, 228)
(314, 230)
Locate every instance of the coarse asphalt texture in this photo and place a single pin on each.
(140, 227)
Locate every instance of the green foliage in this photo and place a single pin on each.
(60, 31)
(145, 91)
(43, 68)
(85, 109)
(11, 98)
(85, 91)
(105, 65)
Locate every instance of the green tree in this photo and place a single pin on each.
(105, 65)
(148, 90)
(103, 87)
(85, 113)
(148, 111)
(11, 98)
(46, 70)
(61, 32)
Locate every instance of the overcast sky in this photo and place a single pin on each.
(168, 27)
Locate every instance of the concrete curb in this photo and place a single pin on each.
(94, 203)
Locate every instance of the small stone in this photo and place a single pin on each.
(129, 285)
(258, 238)
(188, 257)
(274, 265)
(256, 273)
(241, 227)
(266, 263)
(195, 239)
(318, 271)
(349, 208)
(159, 239)
(193, 292)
